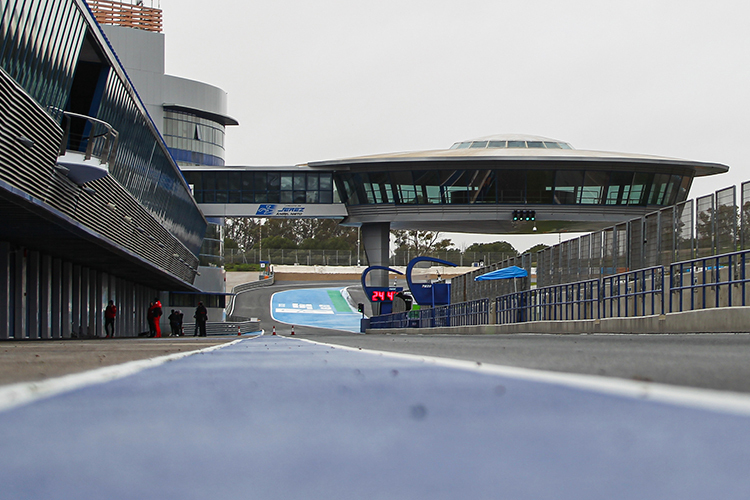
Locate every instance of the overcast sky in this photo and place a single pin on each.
(327, 79)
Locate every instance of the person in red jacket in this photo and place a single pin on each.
(154, 314)
(110, 313)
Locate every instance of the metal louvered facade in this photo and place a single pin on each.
(68, 246)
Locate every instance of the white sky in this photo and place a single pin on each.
(339, 78)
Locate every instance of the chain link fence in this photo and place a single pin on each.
(349, 258)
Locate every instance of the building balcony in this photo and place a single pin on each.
(87, 149)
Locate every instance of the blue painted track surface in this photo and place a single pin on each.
(281, 418)
(314, 307)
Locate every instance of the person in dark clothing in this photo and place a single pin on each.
(174, 324)
(201, 316)
(179, 317)
(110, 313)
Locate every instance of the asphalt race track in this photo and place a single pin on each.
(709, 361)
(280, 417)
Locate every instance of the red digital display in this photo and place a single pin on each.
(383, 296)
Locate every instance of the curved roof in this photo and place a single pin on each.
(541, 151)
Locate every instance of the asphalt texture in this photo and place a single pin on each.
(280, 418)
(709, 361)
(36, 360)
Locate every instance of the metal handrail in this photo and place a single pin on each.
(111, 138)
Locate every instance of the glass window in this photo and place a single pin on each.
(247, 181)
(299, 197)
(659, 189)
(483, 187)
(428, 187)
(497, 144)
(539, 184)
(478, 144)
(618, 191)
(311, 196)
(326, 197)
(594, 185)
(404, 185)
(552, 145)
(286, 196)
(350, 190)
(535, 144)
(260, 181)
(209, 181)
(381, 187)
(235, 180)
(366, 186)
(312, 182)
(299, 181)
(564, 145)
(221, 181)
(326, 182)
(567, 186)
(511, 186)
(286, 182)
(453, 183)
(516, 144)
(274, 181)
(640, 189)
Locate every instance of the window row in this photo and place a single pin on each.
(547, 187)
(261, 187)
(511, 144)
(194, 128)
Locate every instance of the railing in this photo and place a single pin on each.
(101, 138)
(707, 282)
(127, 15)
(716, 281)
(224, 328)
(557, 302)
(634, 293)
(476, 312)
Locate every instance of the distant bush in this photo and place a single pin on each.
(241, 267)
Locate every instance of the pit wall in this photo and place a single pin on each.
(716, 320)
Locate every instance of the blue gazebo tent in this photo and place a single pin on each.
(511, 272)
(503, 274)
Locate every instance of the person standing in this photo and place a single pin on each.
(110, 313)
(201, 316)
(150, 319)
(157, 317)
(174, 323)
(154, 315)
(180, 331)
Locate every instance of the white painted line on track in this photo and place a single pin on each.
(705, 399)
(22, 393)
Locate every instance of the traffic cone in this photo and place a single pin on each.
(292, 329)
(274, 330)
(238, 331)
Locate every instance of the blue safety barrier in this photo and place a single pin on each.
(706, 282)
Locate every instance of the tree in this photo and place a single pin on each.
(243, 230)
(495, 247)
(536, 248)
(278, 243)
(420, 242)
